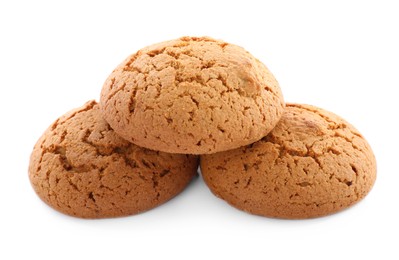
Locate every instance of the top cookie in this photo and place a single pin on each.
(192, 95)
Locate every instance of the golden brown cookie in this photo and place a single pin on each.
(82, 168)
(313, 163)
(192, 95)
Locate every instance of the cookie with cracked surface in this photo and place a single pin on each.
(313, 163)
(192, 95)
(81, 167)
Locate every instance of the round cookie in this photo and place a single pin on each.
(82, 168)
(313, 163)
(192, 95)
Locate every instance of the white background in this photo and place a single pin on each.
(339, 55)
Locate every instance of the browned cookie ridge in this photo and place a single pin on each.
(82, 168)
(313, 163)
(192, 95)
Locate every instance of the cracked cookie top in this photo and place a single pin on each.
(192, 95)
(313, 163)
(81, 167)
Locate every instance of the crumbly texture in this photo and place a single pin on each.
(82, 168)
(192, 95)
(313, 163)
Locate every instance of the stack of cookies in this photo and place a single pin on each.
(177, 104)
